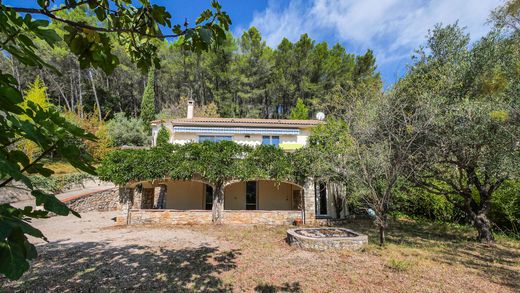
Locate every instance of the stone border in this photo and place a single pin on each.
(315, 243)
(189, 217)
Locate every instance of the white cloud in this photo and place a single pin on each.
(393, 28)
(276, 23)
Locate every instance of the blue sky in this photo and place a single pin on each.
(391, 28)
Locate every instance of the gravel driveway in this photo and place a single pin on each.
(91, 254)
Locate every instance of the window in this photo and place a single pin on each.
(273, 140)
(214, 138)
(208, 194)
(251, 195)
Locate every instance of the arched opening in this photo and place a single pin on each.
(266, 195)
(171, 194)
(262, 195)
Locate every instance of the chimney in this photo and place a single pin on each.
(190, 108)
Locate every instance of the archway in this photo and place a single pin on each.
(262, 195)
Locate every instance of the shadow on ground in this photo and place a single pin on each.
(453, 245)
(98, 266)
(286, 287)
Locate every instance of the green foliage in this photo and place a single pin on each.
(124, 166)
(52, 133)
(127, 131)
(505, 208)
(419, 203)
(300, 111)
(269, 162)
(398, 265)
(163, 137)
(330, 151)
(148, 101)
(22, 37)
(179, 110)
(212, 162)
(472, 95)
(58, 183)
(36, 94)
(242, 77)
(91, 123)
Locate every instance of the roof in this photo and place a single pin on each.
(201, 121)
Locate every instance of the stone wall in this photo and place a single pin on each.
(309, 202)
(177, 217)
(101, 201)
(352, 242)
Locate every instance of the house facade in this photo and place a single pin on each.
(260, 201)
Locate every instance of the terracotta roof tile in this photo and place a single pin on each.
(241, 122)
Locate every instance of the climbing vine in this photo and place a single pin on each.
(221, 161)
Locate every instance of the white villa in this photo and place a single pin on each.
(260, 201)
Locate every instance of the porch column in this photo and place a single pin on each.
(138, 195)
(161, 198)
(309, 201)
(126, 201)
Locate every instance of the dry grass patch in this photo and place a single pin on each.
(419, 257)
(431, 258)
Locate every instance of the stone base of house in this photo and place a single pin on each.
(178, 217)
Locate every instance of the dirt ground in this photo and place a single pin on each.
(92, 255)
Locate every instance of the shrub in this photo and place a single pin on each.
(127, 131)
(163, 137)
(398, 265)
(505, 208)
(90, 122)
(417, 202)
(59, 183)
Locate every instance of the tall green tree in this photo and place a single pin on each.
(148, 101)
(254, 68)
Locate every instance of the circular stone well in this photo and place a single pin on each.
(326, 238)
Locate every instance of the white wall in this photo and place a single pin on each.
(252, 140)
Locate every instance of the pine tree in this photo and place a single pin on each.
(148, 101)
(300, 111)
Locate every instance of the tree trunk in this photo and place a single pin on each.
(483, 225)
(95, 94)
(337, 196)
(381, 236)
(218, 204)
(80, 94)
(478, 213)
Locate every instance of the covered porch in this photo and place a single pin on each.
(190, 202)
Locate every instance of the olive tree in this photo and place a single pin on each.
(473, 145)
(387, 134)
